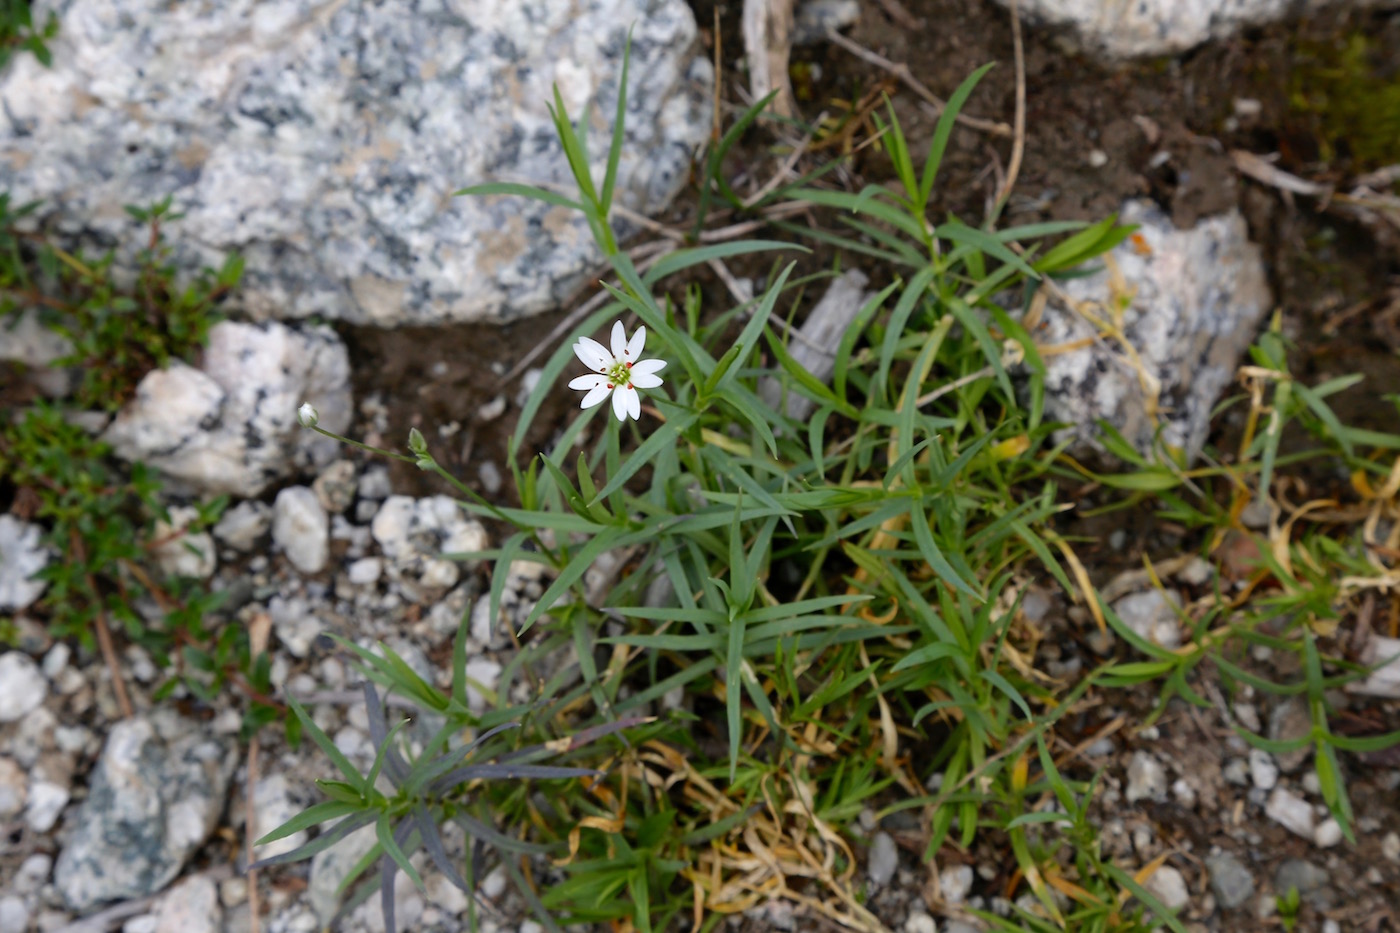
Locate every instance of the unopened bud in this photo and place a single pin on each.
(307, 415)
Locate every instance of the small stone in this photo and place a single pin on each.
(273, 805)
(1291, 812)
(365, 571)
(494, 884)
(883, 859)
(33, 873)
(23, 687)
(483, 674)
(446, 895)
(21, 556)
(233, 891)
(1308, 879)
(1236, 772)
(956, 884)
(1327, 834)
(301, 527)
(490, 476)
(1147, 780)
(1152, 615)
(920, 922)
(14, 915)
(335, 487)
(329, 868)
(530, 926)
(296, 625)
(1383, 655)
(56, 661)
(14, 789)
(1248, 715)
(192, 906)
(1231, 881)
(374, 484)
(1167, 885)
(1290, 721)
(1184, 793)
(1097, 158)
(1390, 847)
(1331, 926)
(46, 803)
(243, 526)
(491, 410)
(1197, 572)
(1262, 770)
(814, 18)
(1257, 514)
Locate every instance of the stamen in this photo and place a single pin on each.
(610, 385)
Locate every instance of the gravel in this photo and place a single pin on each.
(1230, 880)
(1291, 812)
(1147, 779)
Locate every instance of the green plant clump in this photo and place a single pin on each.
(117, 330)
(17, 32)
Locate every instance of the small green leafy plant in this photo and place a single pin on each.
(17, 32)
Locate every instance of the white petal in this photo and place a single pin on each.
(648, 366)
(620, 403)
(592, 354)
(645, 380)
(590, 381)
(637, 344)
(595, 395)
(619, 340)
(634, 404)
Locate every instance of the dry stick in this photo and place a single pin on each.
(104, 634)
(896, 11)
(258, 632)
(1018, 141)
(902, 72)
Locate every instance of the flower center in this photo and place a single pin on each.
(620, 373)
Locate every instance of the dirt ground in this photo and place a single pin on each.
(1097, 133)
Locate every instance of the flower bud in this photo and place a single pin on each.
(307, 415)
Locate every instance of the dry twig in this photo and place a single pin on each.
(902, 72)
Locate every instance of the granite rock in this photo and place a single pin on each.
(1194, 299)
(1165, 27)
(230, 426)
(152, 801)
(323, 141)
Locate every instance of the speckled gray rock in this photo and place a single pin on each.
(231, 426)
(243, 525)
(21, 556)
(151, 803)
(1194, 300)
(323, 140)
(1164, 27)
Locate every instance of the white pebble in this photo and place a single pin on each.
(1327, 834)
(1290, 811)
(1262, 770)
(301, 527)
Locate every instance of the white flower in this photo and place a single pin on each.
(621, 372)
(307, 415)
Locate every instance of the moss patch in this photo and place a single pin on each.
(1347, 94)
